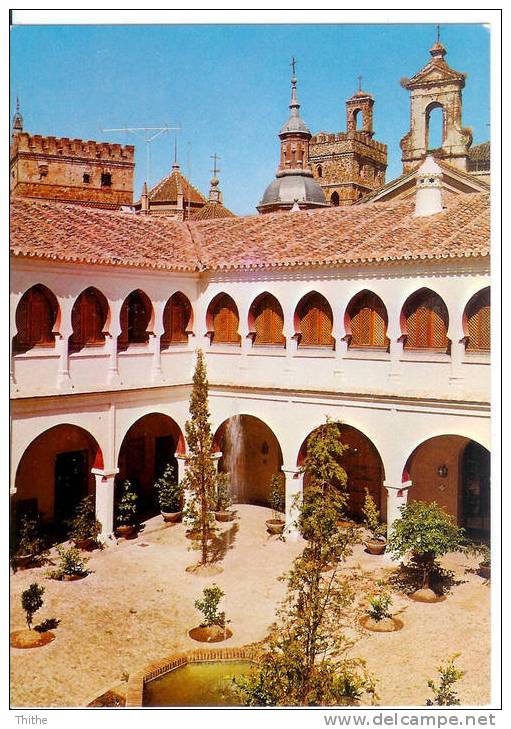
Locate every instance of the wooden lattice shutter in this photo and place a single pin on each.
(175, 320)
(316, 323)
(426, 324)
(87, 319)
(369, 323)
(35, 318)
(135, 316)
(225, 322)
(478, 324)
(269, 322)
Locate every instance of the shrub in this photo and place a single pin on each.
(445, 693)
(208, 606)
(222, 492)
(32, 601)
(127, 506)
(428, 532)
(71, 563)
(277, 501)
(28, 539)
(84, 524)
(170, 493)
(379, 606)
(372, 518)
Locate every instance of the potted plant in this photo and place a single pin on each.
(28, 541)
(377, 542)
(71, 565)
(222, 498)
(170, 495)
(126, 518)
(427, 532)
(483, 552)
(84, 528)
(276, 524)
(213, 628)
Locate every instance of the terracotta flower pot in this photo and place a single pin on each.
(87, 544)
(21, 561)
(275, 526)
(485, 571)
(172, 517)
(375, 546)
(224, 515)
(126, 530)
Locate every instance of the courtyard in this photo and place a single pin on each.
(137, 606)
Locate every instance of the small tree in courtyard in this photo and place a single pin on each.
(445, 693)
(428, 532)
(305, 662)
(32, 601)
(200, 478)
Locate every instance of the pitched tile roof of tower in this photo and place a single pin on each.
(333, 236)
(211, 211)
(167, 189)
(72, 233)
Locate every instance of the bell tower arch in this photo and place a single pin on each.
(436, 86)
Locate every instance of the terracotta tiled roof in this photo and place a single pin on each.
(480, 152)
(74, 233)
(166, 190)
(332, 236)
(347, 235)
(211, 211)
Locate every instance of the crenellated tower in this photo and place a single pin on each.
(350, 164)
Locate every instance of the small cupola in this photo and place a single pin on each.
(428, 193)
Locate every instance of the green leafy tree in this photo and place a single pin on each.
(277, 501)
(70, 563)
(305, 662)
(84, 524)
(208, 606)
(128, 505)
(372, 518)
(170, 493)
(445, 693)
(200, 478)
(32, 601)
(428, 532)
(222, 492)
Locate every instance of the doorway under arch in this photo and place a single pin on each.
(364, 468)
(149, 445)
(54, 474)
(454, 471)
(251, 455)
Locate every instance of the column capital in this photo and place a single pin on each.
(105, 472)
(291, 470)
(404, 486)
(216, 456)
(181, 456)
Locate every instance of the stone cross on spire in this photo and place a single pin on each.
(360, 82)
(293, 65)
(438, 34)
(17, 121)
(215, 169)
(215, 196)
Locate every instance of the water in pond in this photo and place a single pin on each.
(196, 684)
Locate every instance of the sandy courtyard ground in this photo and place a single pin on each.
(137, 606)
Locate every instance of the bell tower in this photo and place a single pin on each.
(436, 86)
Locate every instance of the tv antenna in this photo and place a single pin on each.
(149, 134)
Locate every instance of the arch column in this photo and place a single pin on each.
(62, 344)
(111, 343)
(294, 497)
(155, 339)
(105, 486)
(182, 461)
(397, 496)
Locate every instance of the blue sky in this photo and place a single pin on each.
(228, 88)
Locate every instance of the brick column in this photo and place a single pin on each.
(105, 482)
(294, 496)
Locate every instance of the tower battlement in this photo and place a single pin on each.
(64, 146)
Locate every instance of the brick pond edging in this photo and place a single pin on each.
(137, 681)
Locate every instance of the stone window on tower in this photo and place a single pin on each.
(424, 322)
(36, 316)
(319, 171)
(177, 321)
(88, 319)
(476, 322)
(314, 322)
(136, 313)
(434, 127)
(366, 322)
(223, 321)
(106, 179)
(334, 199)
(86, 178)
(266, 322)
